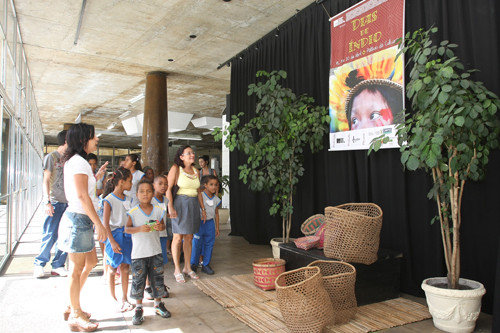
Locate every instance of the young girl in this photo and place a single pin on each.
(204, 239)
(159, 199)
(118, 245)
(133, 163)
(144, 222)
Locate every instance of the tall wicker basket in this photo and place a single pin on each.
(303, 301)
(339, 279)
(352, 232)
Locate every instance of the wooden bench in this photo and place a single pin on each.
(374, 283)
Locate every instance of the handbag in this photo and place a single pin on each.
(175, 188)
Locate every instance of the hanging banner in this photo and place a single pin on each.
(366, 80)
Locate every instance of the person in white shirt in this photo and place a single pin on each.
(76, 232)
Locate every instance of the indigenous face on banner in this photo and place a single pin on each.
(366, 80)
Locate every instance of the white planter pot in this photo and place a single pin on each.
(276, 250)
(454, 310)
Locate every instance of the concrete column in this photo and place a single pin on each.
(155, 126)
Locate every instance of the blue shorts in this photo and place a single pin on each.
(76, 233)
(125, 241)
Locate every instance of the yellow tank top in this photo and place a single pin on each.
(188, 184)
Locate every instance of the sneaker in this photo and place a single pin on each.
(38, 272)
(149, 293)
(194, 267)
(200, 264)
(60, 271)
(167, 295)
(162, 311)
(138, 317)
(207, 270)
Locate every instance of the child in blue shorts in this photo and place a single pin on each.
(204, 240)
(144, 223)
(118, 245)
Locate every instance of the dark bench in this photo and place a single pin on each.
(374, 283)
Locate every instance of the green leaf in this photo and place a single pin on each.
(446, 88)
(459, 121)
(412, 163)
(443, 97)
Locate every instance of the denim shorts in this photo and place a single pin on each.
(151, 267)
(76, 233)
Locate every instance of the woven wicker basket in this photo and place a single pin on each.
(311, 225)
(303, 301)
(339, 279)
(266, 270)
(352, 232)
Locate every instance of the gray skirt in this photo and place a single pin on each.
(187, 221)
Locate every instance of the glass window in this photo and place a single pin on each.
(4, 219)
(4, 157)
(2, 41)
(2, 15)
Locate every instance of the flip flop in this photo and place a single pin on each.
(179, 278)
(126, 306)
(192, 275)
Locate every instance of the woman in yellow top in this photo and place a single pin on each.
(184, 209)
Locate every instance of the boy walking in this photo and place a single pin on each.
(204, 240)
(55, 204)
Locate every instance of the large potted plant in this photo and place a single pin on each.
(275, 140)
(450, 134)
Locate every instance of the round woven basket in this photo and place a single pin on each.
(303, 301)
(311, 225)
(352, 232)
(339, 279)
(266, 270)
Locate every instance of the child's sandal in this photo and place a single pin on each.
(179, 278)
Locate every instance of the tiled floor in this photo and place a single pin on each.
(35, 305)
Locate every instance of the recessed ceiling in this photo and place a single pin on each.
(120, 41)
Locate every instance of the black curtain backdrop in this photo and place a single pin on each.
(332, 178)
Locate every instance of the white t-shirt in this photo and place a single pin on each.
(118, 214)
(132, 194)
(77, 165)
(163, 205)
(211, 204)
(145, 244)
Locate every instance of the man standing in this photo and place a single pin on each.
(55, 205)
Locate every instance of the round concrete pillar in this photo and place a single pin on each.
(155, 126)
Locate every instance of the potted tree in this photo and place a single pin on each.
(450, 135)
(275, 140)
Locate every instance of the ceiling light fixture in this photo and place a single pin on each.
(112, 126)
(124, 114)
(78, 118)
(136, 98)
(182, 137)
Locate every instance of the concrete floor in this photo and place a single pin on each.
(36, 305)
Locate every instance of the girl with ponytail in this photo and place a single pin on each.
(119, 244)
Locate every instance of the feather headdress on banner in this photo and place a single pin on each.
(379, 66)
